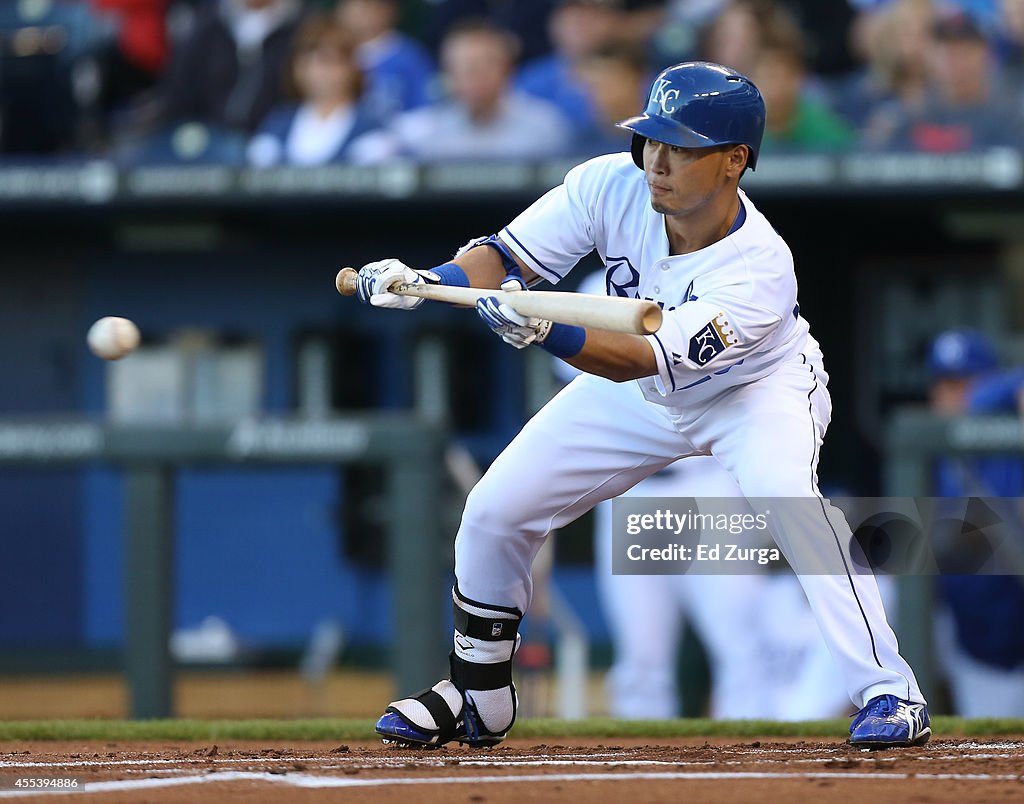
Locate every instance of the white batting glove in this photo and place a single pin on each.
(376, 277)
(514, 328)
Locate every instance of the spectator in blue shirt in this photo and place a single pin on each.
(575, 27)
(399, 70)
(985, 662)
(329, 116)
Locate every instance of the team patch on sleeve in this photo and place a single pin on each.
(712, 340)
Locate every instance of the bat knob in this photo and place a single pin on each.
(346, 281)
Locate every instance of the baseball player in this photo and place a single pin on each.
(984, 645)
(733, 372)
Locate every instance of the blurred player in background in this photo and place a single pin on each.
(733, 372)
(984, 645)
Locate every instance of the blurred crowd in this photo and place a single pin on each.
(307, 82)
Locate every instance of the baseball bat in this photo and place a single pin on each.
(635, 316)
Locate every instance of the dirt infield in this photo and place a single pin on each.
(724, 770)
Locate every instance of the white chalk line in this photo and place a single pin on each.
(327, 762)
(309, 781)
(127, 763)
(988, 746)
(679, 762)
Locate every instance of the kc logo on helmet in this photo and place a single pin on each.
(664, 97)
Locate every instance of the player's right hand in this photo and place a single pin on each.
(514, 328)
(376, 277)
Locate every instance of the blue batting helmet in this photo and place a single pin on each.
(698, 104)
(961, 352)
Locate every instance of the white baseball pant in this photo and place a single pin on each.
(596, 439)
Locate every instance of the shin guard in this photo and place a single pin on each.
(477, 705)
(486, 638)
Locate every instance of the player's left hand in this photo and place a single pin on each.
(514, 328)
(376, 278)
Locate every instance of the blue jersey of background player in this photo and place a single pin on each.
(987, 609)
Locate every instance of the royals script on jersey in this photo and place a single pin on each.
(731, 312)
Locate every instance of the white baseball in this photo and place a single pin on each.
(112, 337)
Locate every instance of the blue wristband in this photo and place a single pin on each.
(451, 274)
(564, 340)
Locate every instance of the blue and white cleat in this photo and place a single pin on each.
(434, 717)
(890, 722)
(396, 730)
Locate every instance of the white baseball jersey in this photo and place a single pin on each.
(739, 378)
(731, 313)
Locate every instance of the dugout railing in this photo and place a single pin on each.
(103, 184)
(409, 447)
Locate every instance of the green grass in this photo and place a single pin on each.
(328, 729)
